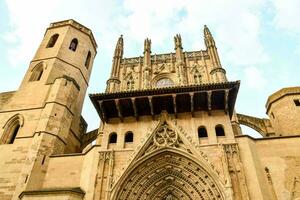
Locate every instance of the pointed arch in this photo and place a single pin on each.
(11, 129)
(73, 44)
(168, 171)
(37, 72)
(52, 41)
(172, 164)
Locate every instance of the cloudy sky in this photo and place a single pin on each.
(258, 40)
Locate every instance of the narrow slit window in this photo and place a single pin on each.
(88, 60)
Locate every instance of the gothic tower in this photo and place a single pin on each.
(173, 103)
(168, 128)
(43, 117)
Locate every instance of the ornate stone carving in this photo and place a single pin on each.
(165, 136)
(236, 171)
(169, 176)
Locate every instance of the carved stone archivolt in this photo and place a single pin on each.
(169, 175)
(164, 168)
(165, 136)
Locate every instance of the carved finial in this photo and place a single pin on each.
(206, 31)
(208, 38)
(178, 42)
(119, 47)
(147, 45)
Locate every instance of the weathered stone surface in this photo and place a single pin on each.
(46, 154)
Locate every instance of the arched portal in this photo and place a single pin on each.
(168, 174)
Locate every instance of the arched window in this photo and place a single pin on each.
(113, 137)
(220, 130)
(73, 44)
(129, 137)
(11, 129)
(14, 134)
(87, 60)
(37, 72)
(202, 132)
(52, 41)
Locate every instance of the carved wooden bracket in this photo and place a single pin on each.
(209, 101)
(119, 109)
(135, 109)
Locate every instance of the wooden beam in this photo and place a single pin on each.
(209, 101)
(226, 101)
(102, 115)
(174, 105)
(192, 103)
(136, 114)
(119, 110)
(151, 106)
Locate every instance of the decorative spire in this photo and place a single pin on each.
(147, 45)
(208, 38)
(177, 40)
(119, 47)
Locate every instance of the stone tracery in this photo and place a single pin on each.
(168, 172)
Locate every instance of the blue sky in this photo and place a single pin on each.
(258, 40)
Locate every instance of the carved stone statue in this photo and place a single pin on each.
(169, 197)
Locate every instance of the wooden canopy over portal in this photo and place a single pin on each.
(179, 99)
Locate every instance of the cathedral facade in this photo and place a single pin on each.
(169, 129)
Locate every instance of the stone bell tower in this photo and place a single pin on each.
(43, 117)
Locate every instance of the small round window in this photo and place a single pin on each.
(164, 82)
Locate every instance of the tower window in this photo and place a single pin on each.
(52, 41)
(113, 138)
(37, 72)
(14, 134)
(202, 133)
(129, 137)
(297, 102)
(73, 44)
(87, 60)
(220, 130)
(11, 129)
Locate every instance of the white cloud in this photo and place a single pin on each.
(254, 78)
(236, 25)
(286, 18)
(287, 15)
